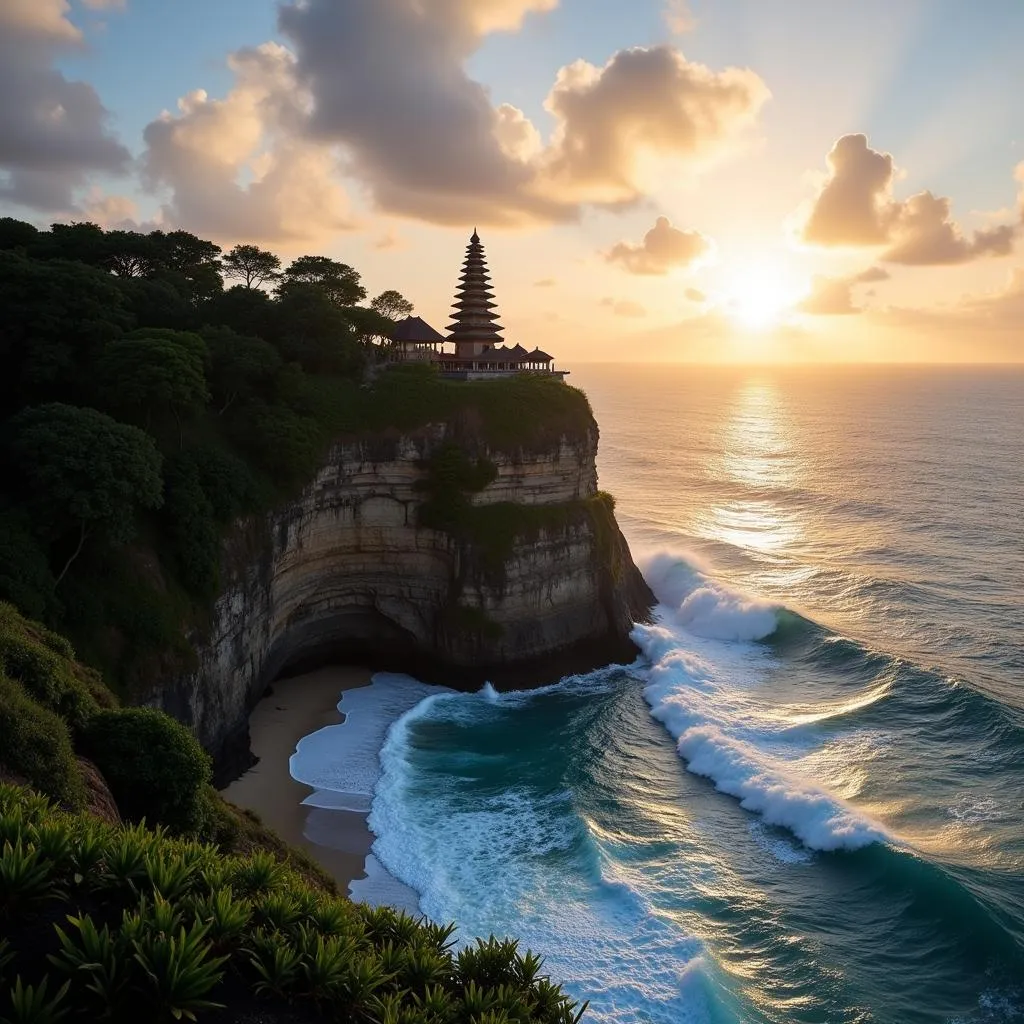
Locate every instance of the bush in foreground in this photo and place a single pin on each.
(126, 924)
(154, 766)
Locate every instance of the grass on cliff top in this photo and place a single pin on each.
(104, 922)
(518, 413)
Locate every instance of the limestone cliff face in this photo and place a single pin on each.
(348, 571)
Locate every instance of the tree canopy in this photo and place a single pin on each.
(392, 304)
(251, 265)
(145, 404)
(85, 470)
(338, 281)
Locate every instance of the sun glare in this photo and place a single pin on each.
(760, 298)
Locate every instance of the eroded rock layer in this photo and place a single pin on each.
(347, 571)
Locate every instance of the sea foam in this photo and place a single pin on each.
(704, 607)
(703, 679)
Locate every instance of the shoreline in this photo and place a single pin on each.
(296, 708)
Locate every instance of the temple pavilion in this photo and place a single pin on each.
(476, 349)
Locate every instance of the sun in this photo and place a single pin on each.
(760, 297)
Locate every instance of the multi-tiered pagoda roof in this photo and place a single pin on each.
(474, 319)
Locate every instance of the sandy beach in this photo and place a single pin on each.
(296, 708)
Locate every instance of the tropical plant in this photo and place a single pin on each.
(26, 879)
(225, 917)
(170, 874)
(178, 973)
(32, 1004)
(258, 874)
(96, 962)
(276, 911)
(276, 964)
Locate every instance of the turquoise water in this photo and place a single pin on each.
(805, 800)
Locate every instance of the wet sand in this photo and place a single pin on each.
(298, 707)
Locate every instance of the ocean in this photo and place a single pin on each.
(804, 802)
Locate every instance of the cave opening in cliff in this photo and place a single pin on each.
(363, 636)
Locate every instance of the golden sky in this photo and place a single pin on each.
(717, 181)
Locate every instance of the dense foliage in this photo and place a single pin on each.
(100, 922)
(144, 406)
(154, 766)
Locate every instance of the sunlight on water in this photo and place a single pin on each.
(801, 805)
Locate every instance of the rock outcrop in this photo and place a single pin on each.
(349, 571)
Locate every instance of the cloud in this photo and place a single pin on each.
(642, 103)
(111, 211)
(240, 168)
(679, 17)
(663, 249)
(833, 296)
(695, 295)
(545, 282)
(624, 307)
(856, 207)
(53, 132)
(389, 85)
(103, 5)
(923, 234)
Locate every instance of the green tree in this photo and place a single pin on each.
(338, 281)
(369, 325)
(240, 367)
(129, 253)
(83, 243)
(154, 370)
(392, 304)
(189, 263)
(247, 311)
(84, 471)
(314, 332)
(17, 234)
(252, 265)
(156, 303)
(57, 317)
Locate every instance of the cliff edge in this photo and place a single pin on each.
(459, 550)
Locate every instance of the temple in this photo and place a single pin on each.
(474, 348)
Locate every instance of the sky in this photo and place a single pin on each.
(658, 180)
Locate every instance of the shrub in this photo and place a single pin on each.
(155, 767)
(35, 743)
(41, 662)
(147, 955)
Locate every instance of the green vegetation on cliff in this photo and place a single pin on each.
(105, 922)
(145, 408)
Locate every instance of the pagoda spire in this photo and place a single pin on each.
(474, 323)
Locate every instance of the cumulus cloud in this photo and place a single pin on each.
(53, 132)
(624, 307)
(833, 296)
(389, 85)
(240, 167)
(110, 211)
(856, 207)
(663, 249)
(642, 103)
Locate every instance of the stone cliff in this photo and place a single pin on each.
(539, 583)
